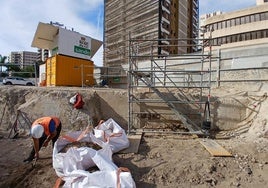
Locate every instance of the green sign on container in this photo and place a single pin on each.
(55, 50)
(80, 50)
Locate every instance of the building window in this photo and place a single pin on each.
(223, 40)
(266, 15)
(215, 42)
(257, 17)
(262, 15)
(265, 33)
(239, 37)
(210, 28)
(252, 18)
(247, 19)
(243, 20)
(237, 21)
(224, 24)
(219, 25)
(233, 38)
(232, 22)
(243, 36)
(228, 39)
(254, 35)
(215, 27)
(259, 34)
(228, 23)
(248, 36)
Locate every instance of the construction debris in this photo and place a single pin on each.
(214, 148)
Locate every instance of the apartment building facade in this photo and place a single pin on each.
(244, 27)
(155, 22)
(23, 58)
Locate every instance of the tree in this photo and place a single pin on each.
(2, 61)
(12, 68)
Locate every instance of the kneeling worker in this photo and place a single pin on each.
(43, 130)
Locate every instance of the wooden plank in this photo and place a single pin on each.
(214, 148)
(134, 141)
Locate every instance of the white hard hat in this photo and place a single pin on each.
(37, 131)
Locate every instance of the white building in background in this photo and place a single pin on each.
(23, 58)
(240, 36)
(239, 28)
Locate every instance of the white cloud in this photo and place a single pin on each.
(19, 20)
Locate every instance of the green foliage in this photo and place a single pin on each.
(3, 74)
(2, 59)
(26, 72)
(14, 68)
(2, 62)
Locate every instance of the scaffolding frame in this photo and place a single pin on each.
(165, 80)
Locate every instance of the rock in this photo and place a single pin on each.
(222, 165)
(248, 170)
(211, 169)
(39, 172)
(254, 160)
(261, 165)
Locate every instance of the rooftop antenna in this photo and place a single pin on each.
(56, 24)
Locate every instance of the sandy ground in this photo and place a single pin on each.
(162, 161)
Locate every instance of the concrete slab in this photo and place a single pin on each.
(134, 144)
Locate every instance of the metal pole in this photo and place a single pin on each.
(219, 69)
(35, 72)
(82, 75)
(210, 54)
(129, 87)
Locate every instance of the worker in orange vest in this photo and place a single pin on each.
(44, 130)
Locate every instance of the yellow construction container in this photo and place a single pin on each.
(64, 70)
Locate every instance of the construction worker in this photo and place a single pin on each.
(44, 130)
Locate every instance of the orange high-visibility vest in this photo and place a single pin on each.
(44, 121)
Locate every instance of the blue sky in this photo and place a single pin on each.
(208, 6)
(19, 19)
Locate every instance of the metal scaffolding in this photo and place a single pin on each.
(166, 94)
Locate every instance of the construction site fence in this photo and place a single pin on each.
(184, 75)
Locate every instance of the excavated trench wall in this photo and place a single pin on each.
(230, 107)
(36, 102)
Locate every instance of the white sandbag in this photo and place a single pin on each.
(71, 166)
(100, 179)
(109, 175)
(73, 99)
(63, 161)
(111, 132)
(77, 160)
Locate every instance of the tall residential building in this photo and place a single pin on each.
(148, 20)
(23, 58)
